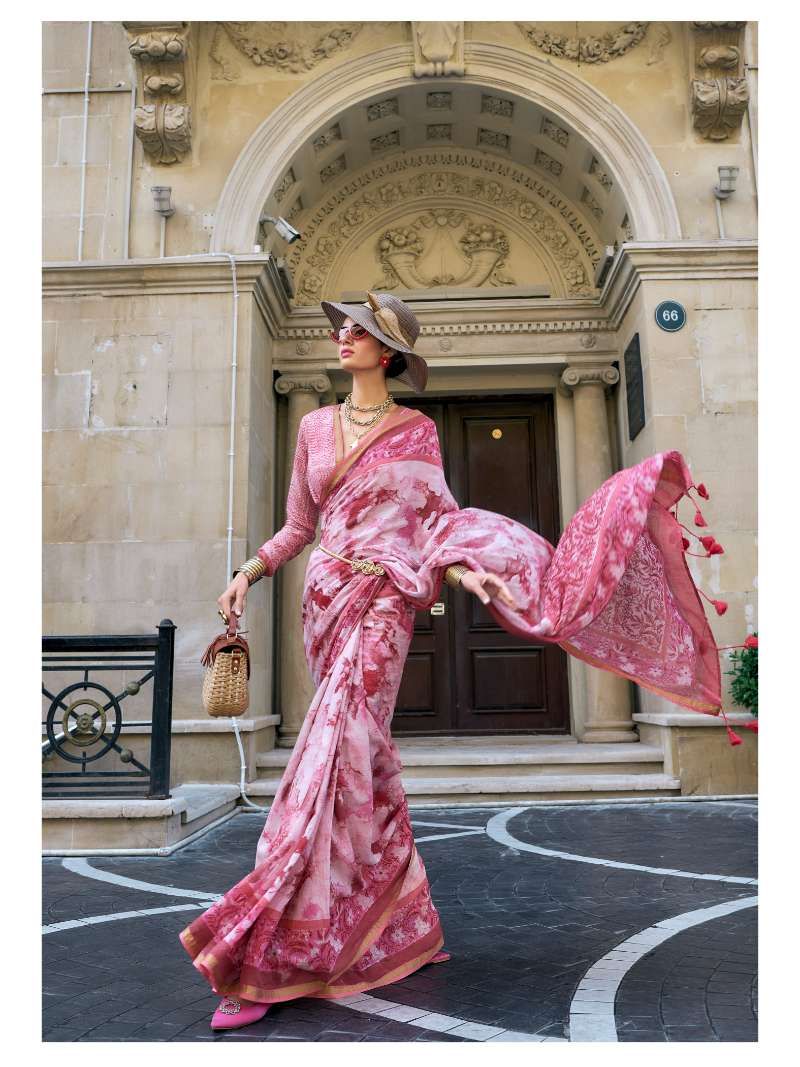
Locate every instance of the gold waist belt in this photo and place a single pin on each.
(366, 566)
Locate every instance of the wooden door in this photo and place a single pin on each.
(464, 673)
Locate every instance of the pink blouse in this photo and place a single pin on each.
(314, 459)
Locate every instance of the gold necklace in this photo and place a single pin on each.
(380, 411)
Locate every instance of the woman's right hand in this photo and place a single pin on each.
(234, 597)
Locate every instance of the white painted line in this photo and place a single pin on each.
(83, 867)
(426, 1020)
(591, 1013)
(91, 920)
(497, 829)
(445, 825)
(445, 837)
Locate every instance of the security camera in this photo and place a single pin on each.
(285, 229)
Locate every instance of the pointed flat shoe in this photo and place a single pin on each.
(234, 1012)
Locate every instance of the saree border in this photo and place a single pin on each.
(214, 965)
(344, 464)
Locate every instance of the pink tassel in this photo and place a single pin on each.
(685, 543)
(752, 726)
(720, 606)
(702, 491)
(698, 519)
(733, 737)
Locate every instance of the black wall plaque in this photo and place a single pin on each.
(634, 387)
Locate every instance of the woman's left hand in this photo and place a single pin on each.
(485, 585)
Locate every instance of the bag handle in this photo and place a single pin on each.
(232, 626)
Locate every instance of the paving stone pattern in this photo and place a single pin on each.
(523, 930)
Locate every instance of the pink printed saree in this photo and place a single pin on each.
(339, 900)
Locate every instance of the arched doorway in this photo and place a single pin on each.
(488, 199)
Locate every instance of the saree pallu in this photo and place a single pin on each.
(339, 900)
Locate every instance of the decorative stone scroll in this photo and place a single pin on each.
(586, 49)
(719, 91)
(580, 374)
(163, 122)
(438, 48)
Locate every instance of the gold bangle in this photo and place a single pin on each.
(454, 574)
(254, 568)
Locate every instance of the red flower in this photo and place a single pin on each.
(698, 519)
(720, 606)
(702, 491)
(751, 642)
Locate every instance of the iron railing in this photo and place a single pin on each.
(84, 721)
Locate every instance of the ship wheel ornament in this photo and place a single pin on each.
(85, 722)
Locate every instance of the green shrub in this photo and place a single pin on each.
(744, 688)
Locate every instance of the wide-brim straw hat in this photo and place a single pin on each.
(392, 321)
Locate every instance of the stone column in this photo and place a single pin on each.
(609, 697)
(296, 687)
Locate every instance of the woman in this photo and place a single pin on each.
(339, 900)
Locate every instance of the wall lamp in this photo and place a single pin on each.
(727, 182)
(161, 200)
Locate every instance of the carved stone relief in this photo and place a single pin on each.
(382, 109)
(658, 38)
(555, 133)
(586, 49)
(457, 250)
(596, 170)
(338, 166)
(496, 105)
(552, 166)
(455, 178)
(384, 141)
(494, 139)
(327, 137)
(438, 48)
(439, 131)
(291, 47)
(439, 100)
(591, 203)
(719, 92)
(287, 182)
(160, 51)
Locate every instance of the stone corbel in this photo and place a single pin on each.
(161, 53)
(718, 103)
(438, 48)
(587, 374)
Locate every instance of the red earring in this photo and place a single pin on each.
(385, 361)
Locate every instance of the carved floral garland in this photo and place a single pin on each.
(270, 43)
(587, 49)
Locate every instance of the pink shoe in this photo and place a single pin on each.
(234, 1012)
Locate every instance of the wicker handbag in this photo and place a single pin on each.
(225, 685)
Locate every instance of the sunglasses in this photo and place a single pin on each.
(356, 332)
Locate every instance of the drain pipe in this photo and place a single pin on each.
(247, 802)
(86, 78)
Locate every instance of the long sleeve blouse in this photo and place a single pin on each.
(314, 458)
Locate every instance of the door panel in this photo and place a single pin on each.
(465, 674)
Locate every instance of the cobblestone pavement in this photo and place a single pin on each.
(565, 922)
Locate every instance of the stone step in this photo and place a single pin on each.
(477, 789)
(475, 758)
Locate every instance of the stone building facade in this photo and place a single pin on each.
(535, 192)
